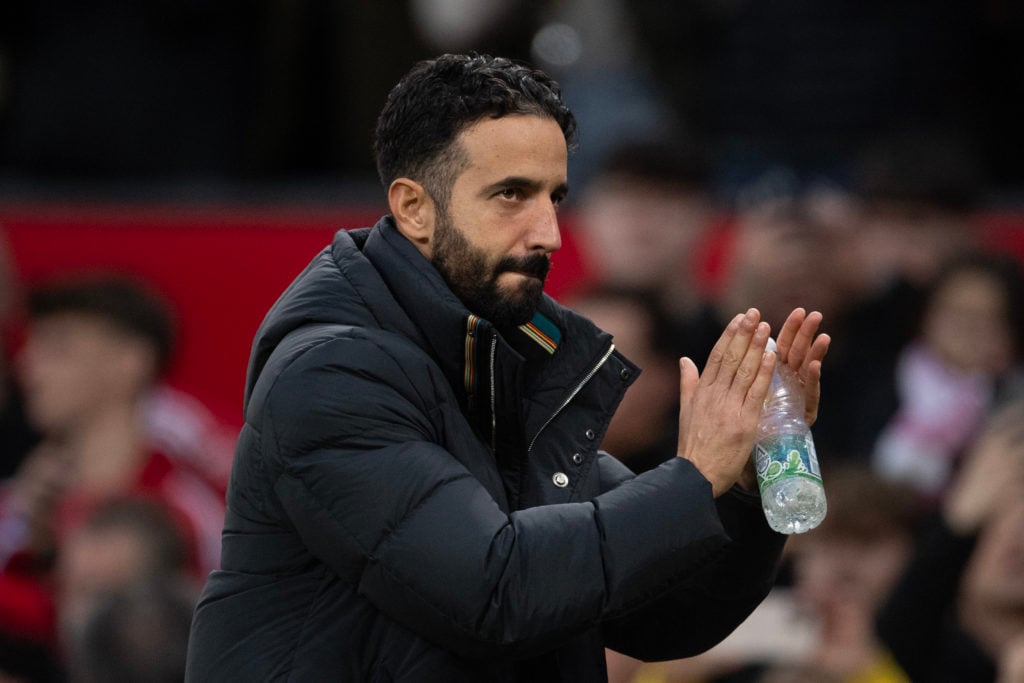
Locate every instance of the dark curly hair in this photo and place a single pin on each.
(439, 98)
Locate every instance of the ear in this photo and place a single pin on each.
(414, 213)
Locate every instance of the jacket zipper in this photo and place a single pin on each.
(571, 396)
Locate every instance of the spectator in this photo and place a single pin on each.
(124, 544)
(138, 634)
(919, 191)
(642, 218)
(777, 238)
(916, 194)
(971, 339)
(957, 608)
(992, 592)
(845, 569)
(94, 350)
(642, 222)
(776, 233)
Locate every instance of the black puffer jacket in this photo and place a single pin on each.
(416, 497)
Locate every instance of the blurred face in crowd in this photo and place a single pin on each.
(641, 234)
(74, 365)
(838, 217)
(992, 599)
(910, 241)
(494, 239)
(967, 323)
(839, 570)
(94, 563)
(777, 264)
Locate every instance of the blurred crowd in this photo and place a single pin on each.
(917, 572)
(111, 485)
(222, 92)
(831, 155)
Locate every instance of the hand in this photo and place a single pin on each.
(35, 491)
(803, 352)
(992, 474)
(720, 408)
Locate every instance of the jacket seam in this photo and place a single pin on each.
(427, 495)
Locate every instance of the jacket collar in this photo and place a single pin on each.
(453, 335)
(510, 385)
(437, 315)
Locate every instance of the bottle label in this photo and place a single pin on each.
(785, 455)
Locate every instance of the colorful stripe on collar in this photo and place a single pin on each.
(543, 331)
(540, 329)
(472, 334)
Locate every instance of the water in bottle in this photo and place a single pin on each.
(788, 476)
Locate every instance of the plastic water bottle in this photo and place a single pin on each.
(788, 476)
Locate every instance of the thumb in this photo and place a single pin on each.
(689, 376)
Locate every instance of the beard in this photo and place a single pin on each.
(474, 280)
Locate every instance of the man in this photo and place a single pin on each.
(417, 493)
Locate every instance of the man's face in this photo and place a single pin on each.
(494, 241)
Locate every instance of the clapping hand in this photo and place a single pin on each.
(720, 408)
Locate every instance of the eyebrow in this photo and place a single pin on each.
(524, 183)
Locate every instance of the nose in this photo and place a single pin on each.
(545, 234)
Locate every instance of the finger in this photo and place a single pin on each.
(803, 340)
(812, 392)
(758, 391)
(714, 363)
(788, 333)
(747, 372)
(689, 377)
(810, 376)
(815, 355)
(736, 351)
(819, 347)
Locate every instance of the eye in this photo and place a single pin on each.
(509, 193)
